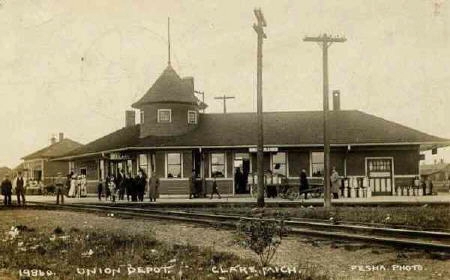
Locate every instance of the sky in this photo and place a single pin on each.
(76, 66)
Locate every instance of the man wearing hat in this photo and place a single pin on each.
(59, 188)
(20, 188)
(6, 190)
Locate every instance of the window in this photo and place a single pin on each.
(83, 171)
(164, 115)
(279, 163)
(218, 164)
(143, 162)
(317, 164)
(192, 117)
(379, 167)
(174, 165)
(142, 116)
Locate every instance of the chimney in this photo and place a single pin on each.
(61, 136)
(189, 83)
(53, 140)
(336, 100)
(130, 118)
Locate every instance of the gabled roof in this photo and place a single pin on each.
(428, 169)
(280, 129)
(5, 171)
(169, 87)
(55, 150)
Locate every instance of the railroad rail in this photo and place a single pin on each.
(396, 237)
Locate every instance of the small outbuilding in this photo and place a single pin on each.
(38, 166)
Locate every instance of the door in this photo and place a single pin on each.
(379, 173)
(241, 172)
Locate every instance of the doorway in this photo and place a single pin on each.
(380, 173)
(241, 172)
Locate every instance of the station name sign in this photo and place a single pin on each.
(118, 156)
(266, 149)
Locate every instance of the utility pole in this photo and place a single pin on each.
(224, 99)
(258, 27)
(325, 42)
(202, 93)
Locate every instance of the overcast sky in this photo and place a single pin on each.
(395, 63)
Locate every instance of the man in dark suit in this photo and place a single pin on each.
(59, 187)
(20, 189)
(6, 190)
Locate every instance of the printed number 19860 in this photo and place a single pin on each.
(35, 273)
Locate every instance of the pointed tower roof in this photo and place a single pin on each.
(169, 88)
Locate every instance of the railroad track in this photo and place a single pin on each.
(396, 237)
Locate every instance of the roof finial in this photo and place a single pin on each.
(168, 39)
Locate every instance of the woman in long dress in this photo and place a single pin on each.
(73, 183)
(83, 190)
(153, 186)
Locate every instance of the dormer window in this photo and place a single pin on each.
(192, 117)
(164, 115)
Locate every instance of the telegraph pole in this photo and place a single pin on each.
(325, 42)
(202, 93)
(224, 99)
(258, 27)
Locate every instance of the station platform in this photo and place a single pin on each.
(241, 200)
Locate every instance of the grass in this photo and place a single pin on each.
(430, 218)
(70, 252)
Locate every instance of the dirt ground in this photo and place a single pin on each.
(338, 260)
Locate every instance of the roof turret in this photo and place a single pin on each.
(169, 88)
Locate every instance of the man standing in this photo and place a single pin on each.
(192, 184)
(20, 189)
(304, 185)
(6, 190)
(59, 188)
(335, 183)
(100, 189)
(142, 182)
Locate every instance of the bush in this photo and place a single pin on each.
(261, 236)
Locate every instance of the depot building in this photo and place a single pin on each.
(174, 138)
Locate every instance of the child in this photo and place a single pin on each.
(113, 189)
(214, 188)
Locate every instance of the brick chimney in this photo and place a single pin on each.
(336, 100)
(130, 118)
(53, 140)
(61, 136)
(189, 83)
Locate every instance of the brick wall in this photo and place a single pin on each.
(178, 126)
(224, 186)
(297, 162)
(91, 166)
(406, 160)
(53, 167)
(174, 186)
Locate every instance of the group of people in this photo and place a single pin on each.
(124, 184)
(76, 185)
(335, 183)
(7, 190)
